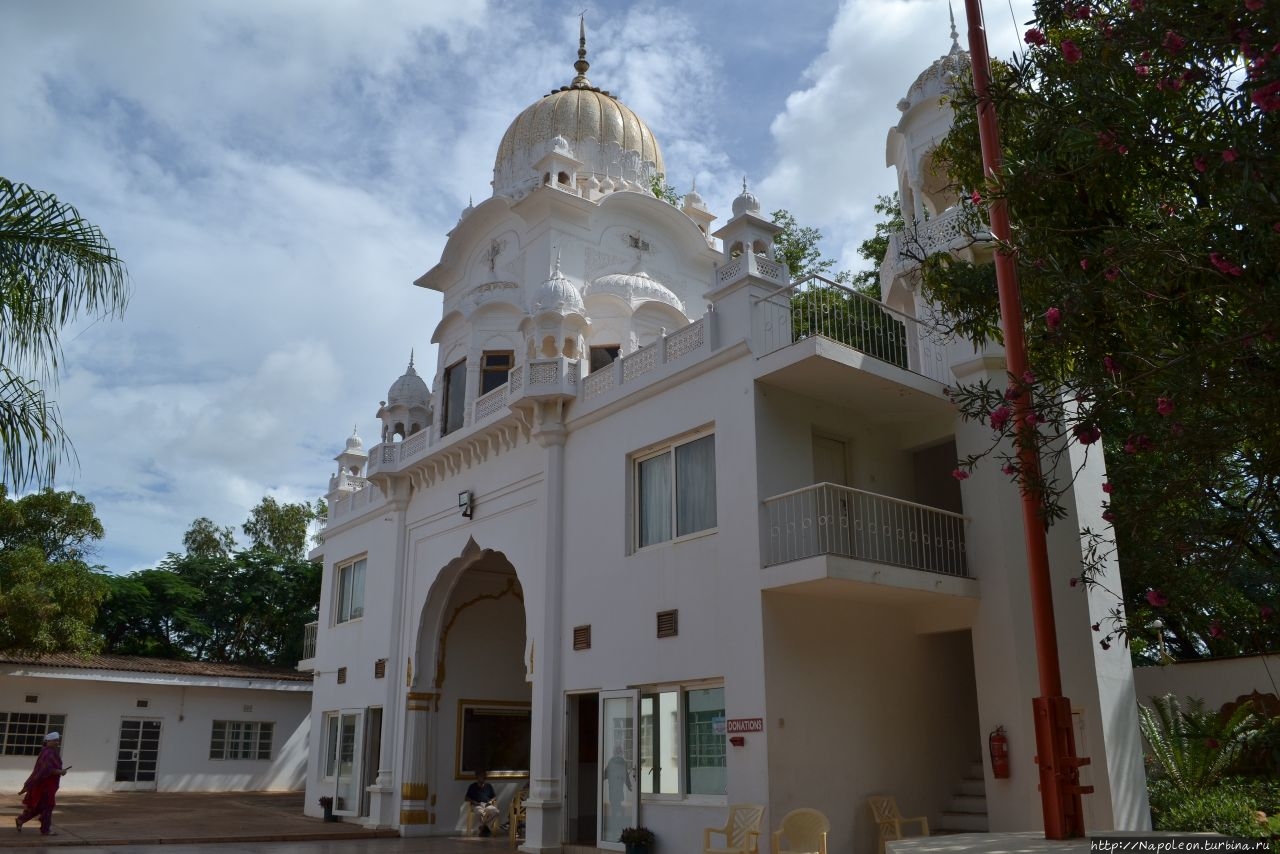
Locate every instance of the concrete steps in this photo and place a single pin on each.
(967, 811)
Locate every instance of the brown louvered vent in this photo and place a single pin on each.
(582, 637)
(33, 698)
(380, 668)
(342, 675)
(143, 704)
(668, 624)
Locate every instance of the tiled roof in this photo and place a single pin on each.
(143, 664)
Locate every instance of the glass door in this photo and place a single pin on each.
(347, 780)
(619, 792)
(137, 754)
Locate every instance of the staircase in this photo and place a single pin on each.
(967, 812)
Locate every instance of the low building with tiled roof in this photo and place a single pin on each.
(136, 723)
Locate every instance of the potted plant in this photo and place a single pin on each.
(326, 804)
(639, 840)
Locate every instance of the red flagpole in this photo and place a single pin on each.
(1060, 788)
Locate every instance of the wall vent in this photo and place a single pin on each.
(582, 637)
(247, 708)
(380, 668)
(33, 698)
(143, 704)
(342, 675)
(668, 624)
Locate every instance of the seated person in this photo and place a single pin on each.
(482, 800)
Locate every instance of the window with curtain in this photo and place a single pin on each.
(676, 491)
(350, 581)
(494, 367)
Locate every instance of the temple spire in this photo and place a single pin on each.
(955, 36)
(582, 65)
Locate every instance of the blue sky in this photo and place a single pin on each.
(275, 173)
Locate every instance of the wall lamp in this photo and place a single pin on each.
(467, 501)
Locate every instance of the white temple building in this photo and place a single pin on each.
(667, 531)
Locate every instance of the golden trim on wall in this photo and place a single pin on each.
(499, 735)
(411, 817)
(414, 791)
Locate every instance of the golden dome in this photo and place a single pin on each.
(605, 135)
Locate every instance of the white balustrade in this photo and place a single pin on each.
(838, 520)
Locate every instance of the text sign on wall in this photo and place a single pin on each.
(744, 725)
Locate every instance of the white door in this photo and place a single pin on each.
(137, 754)
(347, 783)
(619, 788)
(832, 526)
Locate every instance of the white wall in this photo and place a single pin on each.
(1216, 681)
(859, 704)
(94, 709)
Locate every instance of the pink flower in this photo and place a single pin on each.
(1176, 428)
(1142, 70)
(1112, 273)
(1097, 627)
(1156, 599)
(1224, 266)
(1105, 644)
(1164, 406)
(975, 197)
(1008, 469)
(1107, 487)
(1137, 443)
(1267, 98)
(1035, 36)
(1253, 5)
(1265, 612)
(1070, 52)
(1122, 149)
(960, 474)
(1173, 42)
(1053, 318)
(1137, 5)
(1031, 419)
(1200, 164)
(1084, 263)
(1087, 434)
(1110, 364)
(1215, 630)
(1074, 581)
(1000, 417)
(1108, 516)
(1229, 155)
(1028, 378)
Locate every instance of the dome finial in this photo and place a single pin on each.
(582, 65)
(744, 183)
(555, 269)
(410, 359)
(955, 37)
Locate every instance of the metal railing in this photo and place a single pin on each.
(309, 640)
(838, 520)
(818, 306)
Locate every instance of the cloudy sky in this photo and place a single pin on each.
(275, 173)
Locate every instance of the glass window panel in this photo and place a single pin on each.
(653, 500)
(357, 590)
(455, 395)
(494, 367)
(696, 485)
(705, 741)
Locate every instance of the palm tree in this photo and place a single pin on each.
(54, 267)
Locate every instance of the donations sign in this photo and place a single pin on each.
(736, 725)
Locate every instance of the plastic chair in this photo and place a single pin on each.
(804, 831)
(741, 831)
(515, 819)
(885, 810)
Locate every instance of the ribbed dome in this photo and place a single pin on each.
(601, 132)
(941, 76)
(353, 441)
(635, 288)
(409, 390)
(557, 294)
(746, 202)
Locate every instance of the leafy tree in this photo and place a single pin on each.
(799, 247)
(150, 612)
(1141, 178)
(49, 594)
(663, 190)
(206, 538)
(54, 267)
(281, 528)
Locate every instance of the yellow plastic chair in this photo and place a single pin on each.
(885, 810)
(515, 820)
(741, 831)
(802, 831)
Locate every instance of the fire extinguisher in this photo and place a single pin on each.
(999, 744)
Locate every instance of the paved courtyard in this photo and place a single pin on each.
(175, 822)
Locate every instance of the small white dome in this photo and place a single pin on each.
(693, 199)
(746, 202)
(560, 145)
(635, 288)
(557, 294)
(409, 390)
(353, 442)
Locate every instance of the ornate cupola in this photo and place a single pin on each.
(696, 209)
(407, 408)
(606, 147)
(557, 318)
(748, 245)
(350, 466)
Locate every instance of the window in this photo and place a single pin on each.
(676, 491)
(682, 741)
(241, 740)
(350, 591)
(603, 355)
(22, 733)
(455, 396)
(494, 367)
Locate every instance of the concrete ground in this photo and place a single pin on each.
(200, 820)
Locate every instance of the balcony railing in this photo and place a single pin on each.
(309, 640)
(826, 519)
(819, 306)
(951, 230)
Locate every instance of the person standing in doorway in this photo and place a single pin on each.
(482, 800)
(41, 788)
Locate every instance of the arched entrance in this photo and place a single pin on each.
(469, 700)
